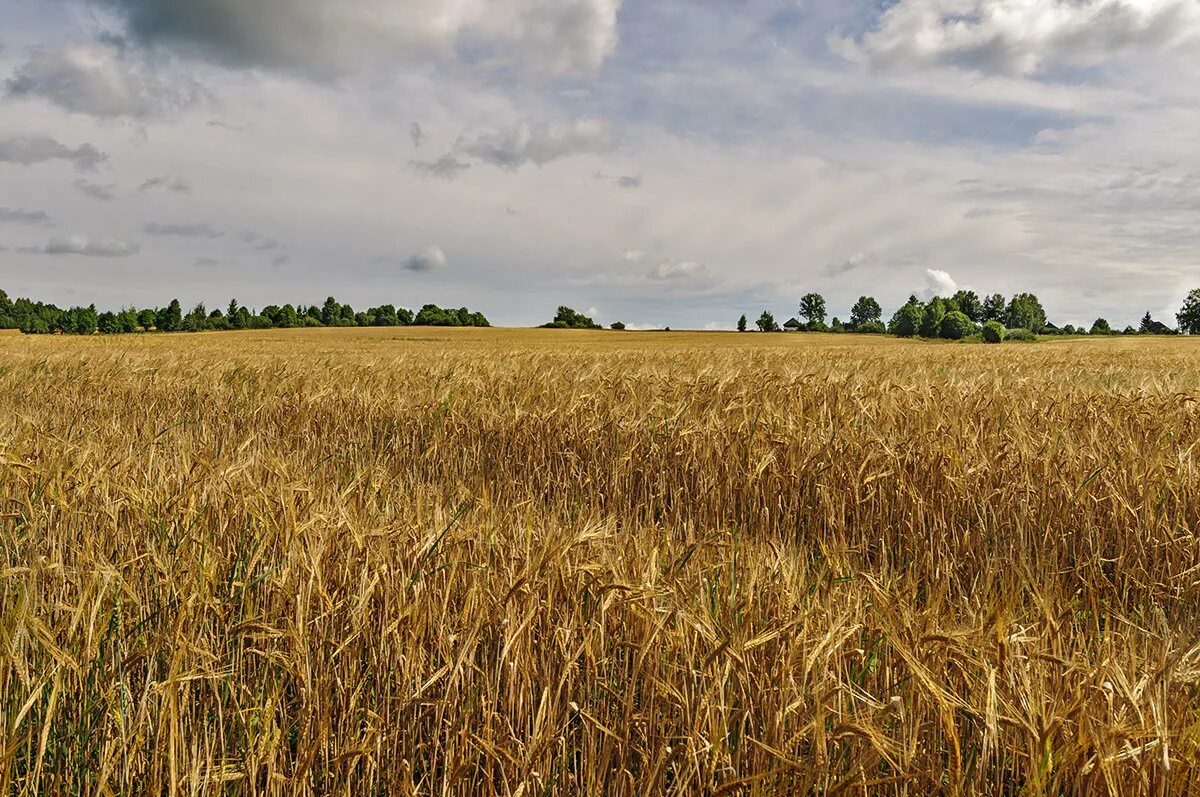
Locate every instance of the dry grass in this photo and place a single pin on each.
(525, 563)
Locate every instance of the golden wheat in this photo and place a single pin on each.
(518, 563)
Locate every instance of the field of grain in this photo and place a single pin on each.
(540, 563)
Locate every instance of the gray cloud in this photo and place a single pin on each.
(90, 247)
(414, 132)
(1022, 38)
(540, 142)
(622, 181)
(430, 258)
(206, 262)
(852, 263)
(18, 216)
(446, 167)
(174, 184)
(97, 191)
(263, 243)
(30, 150)
(203, 230)
(327, 38)
(93, 79)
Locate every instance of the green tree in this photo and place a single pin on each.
(935, 313)
(741, 325)
(170, 318)
(968, 303)
(1100, 327)
(196, 320)
(331, 312)
(812, 308)
(766, 322)
(617, 325)
(993, 332)
(865, 310)
(907, 321)
(566, 318)
(993, 308)
(1188, 316)
(146, 319)
(108, 324)
(127, 320)
(1025, 312)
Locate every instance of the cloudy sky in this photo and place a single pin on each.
(653, 161)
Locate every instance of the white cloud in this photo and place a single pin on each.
(328, 38)
(688, 271)
(90, 247)
(939, 283)
(1023, 37)
(431, 258)
(634, 255)
(539, 142)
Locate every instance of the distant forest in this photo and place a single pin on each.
(965, 315)
(37, 318)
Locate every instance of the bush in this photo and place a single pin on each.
(617, 325)
(1020, 335)
(817, 326)
(871, 328)
(993, 332)
(956, 326)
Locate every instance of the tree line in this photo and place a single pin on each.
(566, 318)
(37, 318)
(965, 315)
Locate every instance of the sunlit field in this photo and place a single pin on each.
(424, 561)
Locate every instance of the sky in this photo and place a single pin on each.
(657, 162)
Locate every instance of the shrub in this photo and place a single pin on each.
(871, 328)
(817, 326)
(1020, 335)
(617, 325)
(993, 332)
(956, 326)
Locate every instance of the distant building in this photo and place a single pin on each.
(793, 325)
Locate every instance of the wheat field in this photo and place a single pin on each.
(538, 563)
